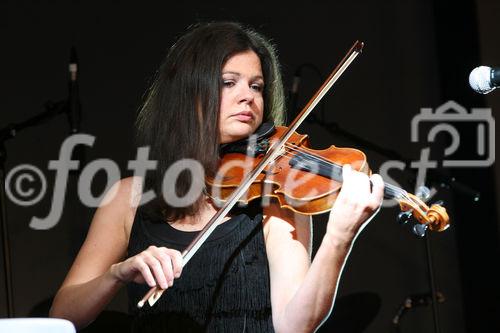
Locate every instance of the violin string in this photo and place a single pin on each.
(395, 191)
(391, 189)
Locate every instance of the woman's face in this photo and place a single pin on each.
(242, 102)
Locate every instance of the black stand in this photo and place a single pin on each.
(8, 132)
(5, 236)
(432, 284)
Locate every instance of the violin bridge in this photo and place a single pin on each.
(282, 153)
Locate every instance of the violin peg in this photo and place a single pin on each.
(420, 229)
(404, 217)
(423, 193)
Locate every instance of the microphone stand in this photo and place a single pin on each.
(6, 133)
(432, 284)
(412, 301)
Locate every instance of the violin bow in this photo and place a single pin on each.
(155, 292)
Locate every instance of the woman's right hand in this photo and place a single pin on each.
(156, 266)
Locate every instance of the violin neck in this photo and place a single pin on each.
(393, 192)
(317, 165)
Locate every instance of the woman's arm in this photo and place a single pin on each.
(302, 293)
(90, 284)
(98, 271)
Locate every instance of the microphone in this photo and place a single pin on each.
(74, 110)
(412, 301)
(296, 82)
(484, 79)
(74, 106)
(294, 91)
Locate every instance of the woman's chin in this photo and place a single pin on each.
(233, 137)
(241, 132)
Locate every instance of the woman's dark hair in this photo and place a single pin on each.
(180, 114)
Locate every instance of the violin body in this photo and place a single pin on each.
(305, 180)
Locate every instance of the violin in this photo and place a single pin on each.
(305, 180)
(287, 152)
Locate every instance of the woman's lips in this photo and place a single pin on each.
(244, 116)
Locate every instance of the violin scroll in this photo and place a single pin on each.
(434, 217)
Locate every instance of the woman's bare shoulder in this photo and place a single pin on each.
(117, 210)
(125, 196)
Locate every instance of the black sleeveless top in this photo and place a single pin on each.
(223, 288)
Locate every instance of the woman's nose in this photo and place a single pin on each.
(246, 94)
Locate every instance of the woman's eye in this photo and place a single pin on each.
(257, 87)
(228, 83)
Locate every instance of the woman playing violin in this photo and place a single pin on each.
(217, 85)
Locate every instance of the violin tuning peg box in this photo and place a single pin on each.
(404, 217)
(423, 193)
(420, 229)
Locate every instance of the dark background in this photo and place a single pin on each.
(418, 54)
